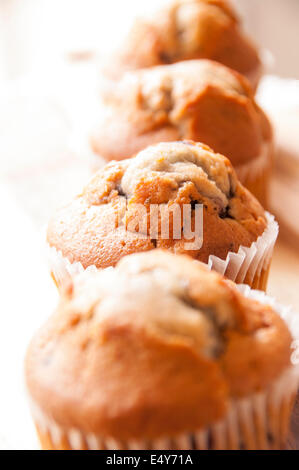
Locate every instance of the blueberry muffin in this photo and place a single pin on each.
(187, 30)
(160, 353)
(180, 196)
(199, 100)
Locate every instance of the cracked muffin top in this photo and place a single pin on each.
(199, 100)
(186, 30)
(111, 218)
(154, 347)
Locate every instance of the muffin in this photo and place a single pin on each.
(187, 30)
(160, 353)
(180, 196)
(199, 100)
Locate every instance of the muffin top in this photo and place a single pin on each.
(154, 347)
(199, 100)
(186, 30)
(112, 216)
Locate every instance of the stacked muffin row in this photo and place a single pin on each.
(150, 348)
(96, 229)
(193, 100)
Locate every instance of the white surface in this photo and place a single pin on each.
(28, 296)
(37, 173)
(35, 33)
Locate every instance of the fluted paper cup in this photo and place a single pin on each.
(257, 422)
(255, 175)
(250, 265)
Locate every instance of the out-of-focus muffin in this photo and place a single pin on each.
(186, 30)
(199, 100)
(160, 353)
(115, 214)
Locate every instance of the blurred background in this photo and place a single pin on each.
(49, 51)
(35, 33)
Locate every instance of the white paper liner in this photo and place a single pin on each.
(267, 64)
(256, 166)
(245, 265)
(62, 269)
(254, 76)
(248, 262)
(260, 421)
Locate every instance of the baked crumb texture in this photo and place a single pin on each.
(199, 100)
(97, 227)
(186, 30)
(157, 346)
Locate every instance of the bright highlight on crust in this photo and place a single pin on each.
(112, 217)
(186, 30)
(182, 342)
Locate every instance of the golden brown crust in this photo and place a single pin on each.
(188, 30)
(159, 355)
(100, 226)
(198, 100)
